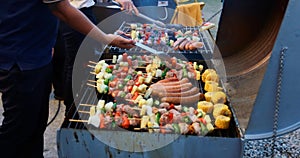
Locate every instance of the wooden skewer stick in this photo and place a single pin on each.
(92, 81)
(134, 118)
(73, 120)
(93, 73)
(92, 62)
(91, 66)
(87, 105)
(130, 100)
(91, 85)
(141, 67)
(85, 112)
(147, 128)
(136, 108)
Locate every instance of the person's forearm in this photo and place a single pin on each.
(79, 22)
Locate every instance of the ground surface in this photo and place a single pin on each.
(50, 150)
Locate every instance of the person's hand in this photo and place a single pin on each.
(128, 5)
(121, 42)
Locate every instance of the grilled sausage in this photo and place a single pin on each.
(177, 43)
(175, 88)
(182, 100)
(175, 83)
(190, 92)
(182, 44)
(171, 79)
(187, 45)
(171, 89)
(196, 45)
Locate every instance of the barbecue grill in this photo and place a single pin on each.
(74, 140)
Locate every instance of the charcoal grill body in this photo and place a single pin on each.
(81, 143)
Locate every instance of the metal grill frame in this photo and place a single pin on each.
(88, 95)
(82, 139)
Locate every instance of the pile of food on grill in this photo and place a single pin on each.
(153, 95)
(152, 35)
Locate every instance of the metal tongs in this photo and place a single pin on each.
(160, 54)
(156, 22)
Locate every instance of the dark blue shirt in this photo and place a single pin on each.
(27, 34)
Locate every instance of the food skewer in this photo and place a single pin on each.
(112, 112)
(73, 120)
(134, 118)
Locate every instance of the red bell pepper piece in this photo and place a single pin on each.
(172, 106)
(135, 95)
(202, 120)
(125, 122)
(129, 88)
(170, 117)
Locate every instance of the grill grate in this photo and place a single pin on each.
(200, 54)
(89, 96)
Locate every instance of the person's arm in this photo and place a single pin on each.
(128, 5)
(78, 21)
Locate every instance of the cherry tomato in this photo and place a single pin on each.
(111, 66)
(129, 88)
(137, 84)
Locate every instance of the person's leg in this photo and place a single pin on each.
(58, 66)
(25, 97)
